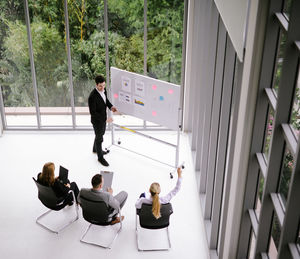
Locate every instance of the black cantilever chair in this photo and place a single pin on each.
(47, 196)
(97, 213)
(148, 221)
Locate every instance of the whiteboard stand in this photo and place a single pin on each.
(113, 143)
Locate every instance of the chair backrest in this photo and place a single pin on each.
(95, 212)
(147, 220)
(48, 197)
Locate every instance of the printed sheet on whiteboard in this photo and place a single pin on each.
(145, 97)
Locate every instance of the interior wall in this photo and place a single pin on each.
(252, 63)
(227, 74)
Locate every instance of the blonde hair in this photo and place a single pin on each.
(155, 191)
(47, 175)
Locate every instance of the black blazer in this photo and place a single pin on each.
(98, 107)
(58, 187)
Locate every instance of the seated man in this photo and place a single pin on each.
(97, 194)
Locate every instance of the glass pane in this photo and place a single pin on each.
(275, 237)
(287, 8)
(15, 72)
(126, 34)
(86, 28)
(126, 42)
(286, 173)
(164, 39)
(279, 61)
(295, 116)
(47, 24)
(268, 132)
(252, 246)
(260, 189)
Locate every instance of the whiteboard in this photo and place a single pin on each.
(145, 97)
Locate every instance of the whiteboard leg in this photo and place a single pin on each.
(178, 140)
(112, 134)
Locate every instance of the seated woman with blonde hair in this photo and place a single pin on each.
(47, 178)
(154, 198)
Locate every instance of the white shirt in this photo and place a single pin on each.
(163, 200)
(102, 95)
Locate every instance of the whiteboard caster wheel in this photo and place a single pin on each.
(119, 142)
(171, 175)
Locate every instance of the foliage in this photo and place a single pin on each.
(86, 30)
(49, 55)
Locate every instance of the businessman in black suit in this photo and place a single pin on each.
(98, 103)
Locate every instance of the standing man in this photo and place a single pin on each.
(98, 102)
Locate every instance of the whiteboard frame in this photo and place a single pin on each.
(179, 127)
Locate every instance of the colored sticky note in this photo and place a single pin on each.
(154, 87)
(115, 96)
(154, 113)
(170, 91)
(161, 98)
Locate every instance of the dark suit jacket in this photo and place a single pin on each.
(98, 107)
(58, 187)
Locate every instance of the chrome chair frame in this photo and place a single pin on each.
(153, 228)
(103, 225)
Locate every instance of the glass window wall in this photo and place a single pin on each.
(50, 58)
(15, 72)
(279, 61)
(268, 132)
(260, 188)
(88, 54)
(274, 238)
(87, 40)
(285, 178)
(164, 40)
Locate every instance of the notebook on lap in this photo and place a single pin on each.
(107, 176)
(63, 174)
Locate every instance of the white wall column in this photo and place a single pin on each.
(235, 187)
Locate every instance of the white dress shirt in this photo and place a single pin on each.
(163, 200)
(102, 95)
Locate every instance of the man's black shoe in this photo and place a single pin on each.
(105, 152)
(103, 162)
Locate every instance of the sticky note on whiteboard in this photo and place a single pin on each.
(139, 88)
(126, 84)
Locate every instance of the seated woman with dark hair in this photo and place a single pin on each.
(154, 198)
(47, 178)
